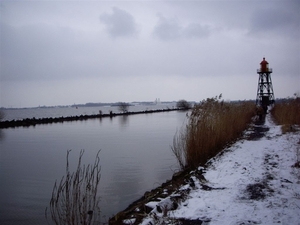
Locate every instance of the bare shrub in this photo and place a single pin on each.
(123, 107)
(212, 124)
(74, 199)
(183, 104)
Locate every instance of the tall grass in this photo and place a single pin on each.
(74, 199)
(211, 125)
(287, 111)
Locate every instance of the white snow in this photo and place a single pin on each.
(253, 182)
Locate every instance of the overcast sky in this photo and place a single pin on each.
(66, 52)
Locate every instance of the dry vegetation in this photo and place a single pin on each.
(74, 199)
(287, 112)
(211, 125)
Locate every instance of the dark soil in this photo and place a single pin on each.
(163, 191)
(256, 191)
(258, 130)
(191, 222)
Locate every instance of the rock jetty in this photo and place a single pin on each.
(35, 121)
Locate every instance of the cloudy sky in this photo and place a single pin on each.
(66, 52)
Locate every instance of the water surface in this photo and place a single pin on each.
(135, 157)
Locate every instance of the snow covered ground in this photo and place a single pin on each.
(254, 181)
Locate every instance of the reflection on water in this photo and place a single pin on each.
(1, 134)
(124, 120)
(135, 157)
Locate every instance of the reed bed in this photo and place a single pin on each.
(74, 199)
(287, 112)
(211, 125)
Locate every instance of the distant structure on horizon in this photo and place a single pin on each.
(157, 101)
(265, 93)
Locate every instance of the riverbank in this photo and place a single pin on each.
(254, 181)
(36, 121)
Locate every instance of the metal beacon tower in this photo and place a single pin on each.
(265, 94)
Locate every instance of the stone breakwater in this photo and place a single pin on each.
(35, 121)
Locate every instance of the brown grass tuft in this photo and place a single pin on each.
(211, 125)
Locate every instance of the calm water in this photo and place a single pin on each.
(18, 114)
(135, 157)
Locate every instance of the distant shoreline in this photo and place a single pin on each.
(33, 121)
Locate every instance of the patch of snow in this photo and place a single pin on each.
(152, 205)
(252, 182)
(129, 221)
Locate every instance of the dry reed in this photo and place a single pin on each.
(287, 112)
(74, 199)
(211, 125)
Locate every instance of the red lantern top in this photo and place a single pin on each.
(264, 66)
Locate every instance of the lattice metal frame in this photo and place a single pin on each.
(265, 93)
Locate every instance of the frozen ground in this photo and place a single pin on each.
(255, 181)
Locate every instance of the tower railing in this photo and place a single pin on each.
(269, 70)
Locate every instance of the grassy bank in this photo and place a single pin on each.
(211, 125)
(287, 112)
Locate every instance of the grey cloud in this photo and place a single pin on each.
(282, 21)
(120, 23)
(63, 45)
(171, 29)
(40, 51)
(197, 30)
(167, 29)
